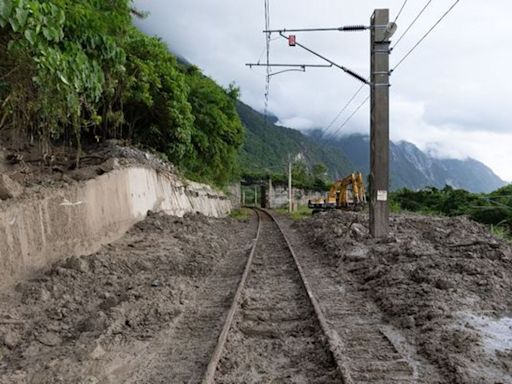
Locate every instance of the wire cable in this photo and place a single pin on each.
(425, 36)
(269, 69)
(347, 120)
(412, 23)
(400, 11)
(264, 50)
(344, 108)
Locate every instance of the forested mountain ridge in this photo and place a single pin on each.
(414, 169)
(266, 147)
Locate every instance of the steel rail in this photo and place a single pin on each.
(335, 344)
(217, 353)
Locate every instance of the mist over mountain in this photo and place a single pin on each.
(412, 168)
(267, 147)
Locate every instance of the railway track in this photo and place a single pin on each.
(285, 320)
(275, 330)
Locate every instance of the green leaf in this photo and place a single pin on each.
(5, 10)
(21, 17)
(63, 79)
(47, 34)
(30, 36)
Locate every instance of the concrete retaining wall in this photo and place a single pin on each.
(40, 229)
(277, 197)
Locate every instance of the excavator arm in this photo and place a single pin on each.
(346, 193)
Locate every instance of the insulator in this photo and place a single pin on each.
(354, 28)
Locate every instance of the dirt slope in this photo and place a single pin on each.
(90, 319)
(446, 283)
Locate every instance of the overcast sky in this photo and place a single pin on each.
(452, 97)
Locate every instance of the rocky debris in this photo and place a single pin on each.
(9, 188)
(30, 168)
(9, 339)
(55, 325)
(426, 276)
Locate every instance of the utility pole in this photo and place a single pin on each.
(255, 195)
(379, 130)
(381, 31)
(290, 203)
(270, 192)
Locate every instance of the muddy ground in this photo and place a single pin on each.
(32, 169)
(94, 319)
(148, 308)
(275, 337)
(444, 283)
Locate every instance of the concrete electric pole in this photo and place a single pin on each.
(290, 196)
(379, 130)
(381, 31)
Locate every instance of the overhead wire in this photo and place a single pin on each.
(264, 50)
(352, 98)
(269, 69)
(347, 104)
(412, 24)
(425, 35)
(400, 11)
(347, 120)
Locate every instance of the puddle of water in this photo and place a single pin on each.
(496, 333)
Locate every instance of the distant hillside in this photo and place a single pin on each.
(267, 146)
(414, 169)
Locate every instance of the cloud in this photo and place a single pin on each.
(451, 94)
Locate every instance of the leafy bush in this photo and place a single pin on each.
(78, 70)
(494, 209)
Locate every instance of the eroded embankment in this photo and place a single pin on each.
(444, 283)
(40, 228)
(146, 308)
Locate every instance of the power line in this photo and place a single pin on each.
(269, 69)
(425, 35)
(264, 50)
(347, 120)
(400, 11)
(344, 108)
(412, 23)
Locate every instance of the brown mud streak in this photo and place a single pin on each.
(333, 342)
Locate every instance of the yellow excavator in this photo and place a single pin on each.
(347, 193)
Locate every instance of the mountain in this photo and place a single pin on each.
(414, 169)
(267, 147)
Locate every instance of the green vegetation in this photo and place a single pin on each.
(311, 179)
(300, 213)
(241, 214)
(267, 147)
(79, 71)
(493, 209)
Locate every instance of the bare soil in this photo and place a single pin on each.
(34, 169)
(444, 284)
(128, 313)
